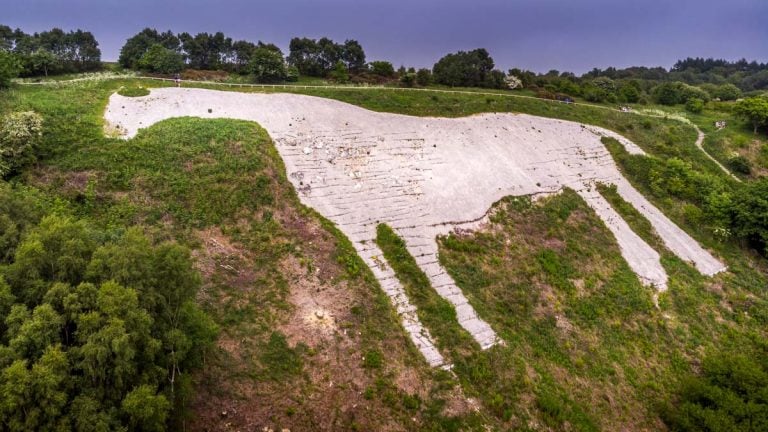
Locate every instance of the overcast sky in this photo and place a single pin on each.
(573, 35)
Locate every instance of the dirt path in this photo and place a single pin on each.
(699, 144)
(423, 177)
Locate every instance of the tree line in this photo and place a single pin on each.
(51, 52)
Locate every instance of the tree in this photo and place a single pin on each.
(44, 60)
(727, 92)
(694, 105)
(408, 79)
(160, 59)
(750, 213)
(495, 79)
(469, 69)
(136, 46)
(382, 68)
(754, 110)
(730, 395)
(9, 68)
(339, 73)
(242, 52)
(20, 133)
(146, 411)
(424, 77)
(96, 340)
(353, 55)
(266, 65)
(304, 54)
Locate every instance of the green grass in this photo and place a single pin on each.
(133, 91)
(435, 312)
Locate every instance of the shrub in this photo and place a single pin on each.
(694, 105)
(162, 60)
(740, 164)
(19, 135)
(408, 79)
(727, 92)
(750, 213)
(267, 65)
(466, 69)
(424, 77)
(673, 93)
(730, 395)
(339, 73)
(10, 67)
(133, 91)
(754, 110)
(382, 68)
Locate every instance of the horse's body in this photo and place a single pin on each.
(424, 177)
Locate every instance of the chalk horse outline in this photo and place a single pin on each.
(425, 176)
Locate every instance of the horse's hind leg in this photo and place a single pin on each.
(674, 238)
(641, 257)
(421, 243)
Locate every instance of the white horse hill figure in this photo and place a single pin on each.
(425, 176)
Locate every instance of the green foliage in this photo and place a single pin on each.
(464, 69)
(43, 60)
(160, 59)
(267, 65)
(694, 105)
(730, 394)
(146, 410)
(739, 164)
(56, 51)
(726, 92)
(408, 79)
(319, 57)
(424, 77)
(437, 314)
(133, 91)
(96, 332)
(339, 73)
(9, 68)
(382, 68)
(750, 213)
(754, 110)
(20, 133)
(673, 93)
(137, 46)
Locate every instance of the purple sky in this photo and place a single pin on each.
(573, 35)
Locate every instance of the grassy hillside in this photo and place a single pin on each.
(309, 341)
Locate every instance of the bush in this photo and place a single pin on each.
(495, 79)
(162, 60)
(10, 67)
(466, 69)
(750, 213)
(382, 68)
(424, 77)
(267, 66)
(96, 334)
(730, 395)
(408, 79)
(673, 93)
(339, 73)
(740, 164)
(727, 92)
(19, 135)
(694, 105)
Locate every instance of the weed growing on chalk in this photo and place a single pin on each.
(133, 91)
